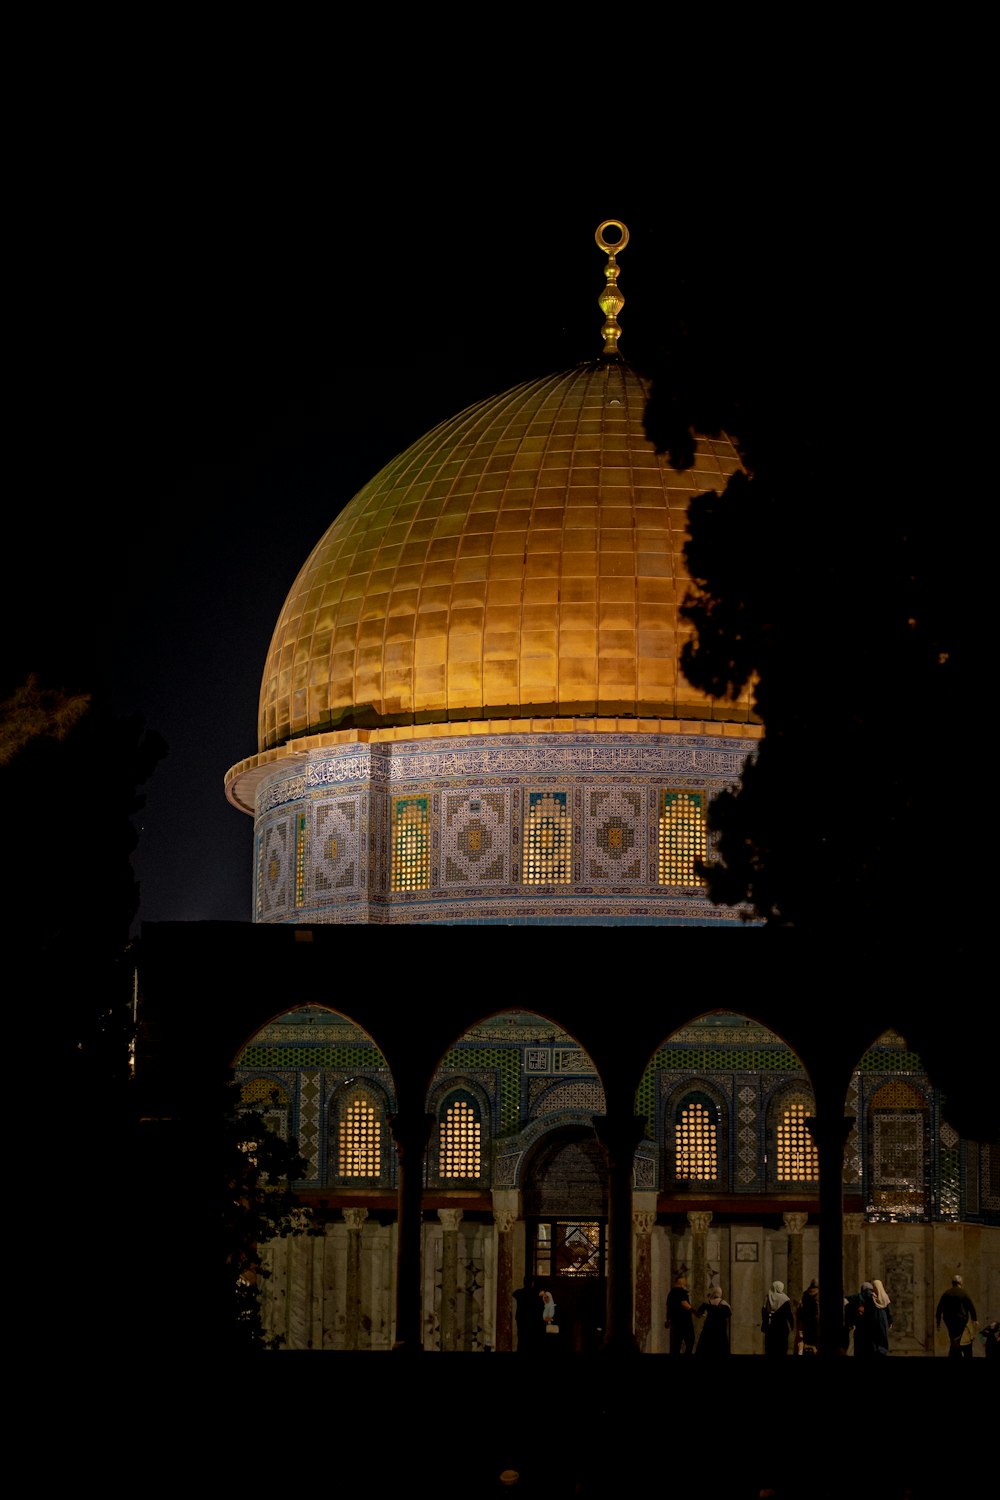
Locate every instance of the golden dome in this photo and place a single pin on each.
(524, 558)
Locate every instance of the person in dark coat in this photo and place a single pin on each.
(526, 1319)
(777, 1319)
(680, 1317)
(883, 1316)
(865, 1325)
(808, 1318)
(956, 1309)
(713, 1341)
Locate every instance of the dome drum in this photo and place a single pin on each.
(508, 828)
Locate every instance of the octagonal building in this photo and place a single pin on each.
(472, 709)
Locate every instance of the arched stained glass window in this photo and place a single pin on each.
(459, 1139)
(682, 836)
(898, 1148)
(696, 1140)
(797, 1156)
(359, 1139)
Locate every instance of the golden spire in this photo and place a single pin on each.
(611, 300)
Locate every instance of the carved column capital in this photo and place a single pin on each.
(795, 1223)
(504, 1219)
(699, 1221)
(854, 1223)
(354, 1218)
(450, 1218)
(643, 1220)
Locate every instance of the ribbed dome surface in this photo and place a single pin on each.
(523, 558)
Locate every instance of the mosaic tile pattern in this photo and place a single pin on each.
(581, 1094)
(950, 1182)
(747, 1162)
(553, 827)
(309, 1116)
(338, 850)
(504, 1064)
(274, 871)
(615, 834)
(852, 1148)
(476, 843)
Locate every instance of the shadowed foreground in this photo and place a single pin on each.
(578, 1426)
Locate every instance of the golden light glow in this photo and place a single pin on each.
(696, 1144)
(523, 559)
(459, 1141)
(798, 1158)
(359, 1148)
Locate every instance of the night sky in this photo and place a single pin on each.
(206, 396)
(217, 344)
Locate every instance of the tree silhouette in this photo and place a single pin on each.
(841, 579)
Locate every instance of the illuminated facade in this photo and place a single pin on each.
(472, 708)
(725, 1181)
(472, 713)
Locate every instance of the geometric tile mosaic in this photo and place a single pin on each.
(336, 855)
(475, 838)
(505, 828)
(273, 867)
(614, 834)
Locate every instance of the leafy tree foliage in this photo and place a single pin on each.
(839, 575)
(259, 1204)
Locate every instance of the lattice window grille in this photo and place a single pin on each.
(696, 1143)
(798, 1158)
(460, 1141)
(359, 1147)
(682, 836)
(548, 840)
(411, 844)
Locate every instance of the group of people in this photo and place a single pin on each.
(680, 1318)
(867, 1320)
(868, 1316)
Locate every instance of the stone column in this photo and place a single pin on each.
(410, 1132)
(354, 1219)
(698, 1280)
(450, 1220)
(851, 1248)
(505, 1219)
(643, 1224)
(795, 1223)
(830, 1128)
(619, 1137)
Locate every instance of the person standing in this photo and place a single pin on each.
(777, 1319)
(882, 1322)
(808, 1319)
(957, 1311)
(680, 1317)
(529, 1329)
(714, 1338)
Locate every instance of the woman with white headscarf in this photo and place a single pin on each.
(881, 1318)
(777, 1319)
(714, 1338)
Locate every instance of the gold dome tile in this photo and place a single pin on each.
(524, 558)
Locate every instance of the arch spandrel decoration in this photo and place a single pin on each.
(313, 1050)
